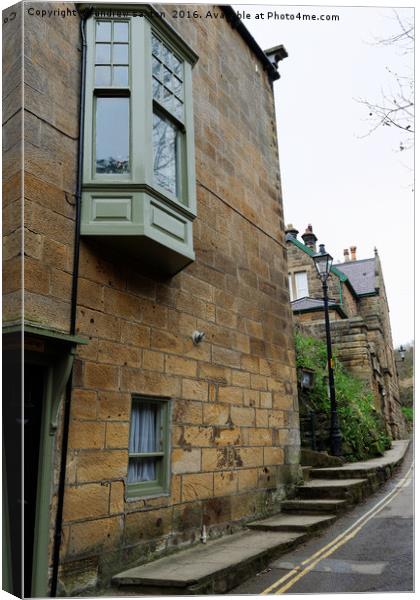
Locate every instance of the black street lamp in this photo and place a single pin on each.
(323, 263)
(401, 350)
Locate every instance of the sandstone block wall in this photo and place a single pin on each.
(234, 428)
(51, 80)
(12, 164)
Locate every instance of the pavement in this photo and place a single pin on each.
(220, 565)
(369, 549)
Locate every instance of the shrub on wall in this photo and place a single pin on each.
(362, 427)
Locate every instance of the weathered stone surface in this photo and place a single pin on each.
(197, 486)
(85, 501)
(186, 461)
(102, 465)
(95, 536)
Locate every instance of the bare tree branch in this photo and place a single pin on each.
(396, 108)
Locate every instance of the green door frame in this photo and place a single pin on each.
(57, 374)
(55, 351)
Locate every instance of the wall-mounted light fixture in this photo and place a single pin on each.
(307, 378)
(198, 337)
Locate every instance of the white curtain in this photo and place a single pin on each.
(143, 439)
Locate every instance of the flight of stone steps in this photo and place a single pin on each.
(220, 565)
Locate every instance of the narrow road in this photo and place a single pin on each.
(370, 549)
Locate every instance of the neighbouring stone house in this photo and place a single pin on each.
(359, 314)
(152, 212)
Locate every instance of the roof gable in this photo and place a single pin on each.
(361, 274)
(342, 276)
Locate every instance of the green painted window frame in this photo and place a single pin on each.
(159, 486)
(142, 107)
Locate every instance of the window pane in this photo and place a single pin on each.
(177, 67)
(291, 288)
(103, 54)
(164, 153)
(156, 68)
(177, 87)
(120, 54)
(166, 55)
(112, 135)
(178, 108)
(103, 75)
(120, 32)
(103, 31)
(142, 469)
(145, 427)
(155, 46)
(167, 77)
(301, 281)
(120, 76)
(157, 89)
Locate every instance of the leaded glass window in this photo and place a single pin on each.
(168, 78)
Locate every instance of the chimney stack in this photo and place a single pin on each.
(290, 230)
(353, 252)
(346, 255)
(309, 238)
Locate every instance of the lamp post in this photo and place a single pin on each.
(323, 263)
(401, 350)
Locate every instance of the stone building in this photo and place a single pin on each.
(152, 212)
(359, 314)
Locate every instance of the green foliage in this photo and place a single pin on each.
(405, 374)
(361, 426)
(408, 412)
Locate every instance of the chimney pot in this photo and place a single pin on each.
(353, 252)
(346, 255)
(290, 230)
(309, 238)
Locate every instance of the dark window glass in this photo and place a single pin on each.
(112, 135)
(165, 153)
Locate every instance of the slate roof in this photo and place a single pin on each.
(361, 274)
(310, 303)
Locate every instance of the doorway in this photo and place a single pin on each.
(34, 391)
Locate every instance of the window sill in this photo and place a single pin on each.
(137, 495)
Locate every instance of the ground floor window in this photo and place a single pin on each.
(148, 449)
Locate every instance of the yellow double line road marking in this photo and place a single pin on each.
(300, 571)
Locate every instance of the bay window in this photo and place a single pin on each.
(138, 173)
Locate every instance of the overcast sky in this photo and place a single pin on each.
(354, 190)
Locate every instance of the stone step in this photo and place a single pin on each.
(319, 459)
(212, 568)
(304, 523)
(352, 490)
(306, 473)
(376, 475)
(314, 506)
(341, 473)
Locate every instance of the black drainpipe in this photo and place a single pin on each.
(73, 311)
